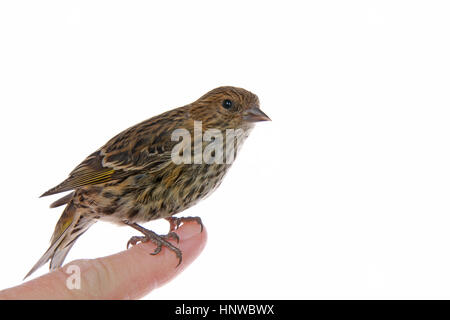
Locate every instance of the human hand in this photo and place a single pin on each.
(129, 274)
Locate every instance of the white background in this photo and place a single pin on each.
(344, 195)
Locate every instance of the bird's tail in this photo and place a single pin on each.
(70, 226)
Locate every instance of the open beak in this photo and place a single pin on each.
(255, 114)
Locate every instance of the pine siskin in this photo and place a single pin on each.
(145, 173)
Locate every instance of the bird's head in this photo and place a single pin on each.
(228, 107)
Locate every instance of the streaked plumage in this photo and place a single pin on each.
(132, 178)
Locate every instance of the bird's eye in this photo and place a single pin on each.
(227, 104)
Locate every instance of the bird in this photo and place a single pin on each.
(154, 170)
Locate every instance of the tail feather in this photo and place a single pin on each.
(70, 226)
(59, 256)
(63, 200)
(47, 255)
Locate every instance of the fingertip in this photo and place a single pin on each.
(140, 272)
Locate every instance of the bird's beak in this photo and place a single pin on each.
(255, 114)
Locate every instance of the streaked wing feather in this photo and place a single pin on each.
(137, 148)
(146, 145)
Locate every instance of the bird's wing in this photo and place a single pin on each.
(130, 151)
(137, 151)
(89, 172)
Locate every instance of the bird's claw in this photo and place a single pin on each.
(157, 249)
(159, 241)
(172, 235)
(135, 240)
(175, 222)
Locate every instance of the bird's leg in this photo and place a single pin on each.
(175, 222)
(160, 241)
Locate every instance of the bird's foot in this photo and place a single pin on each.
(159, 240)
(176, 222)
(141, 239)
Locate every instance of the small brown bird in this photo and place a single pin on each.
(145, 173)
